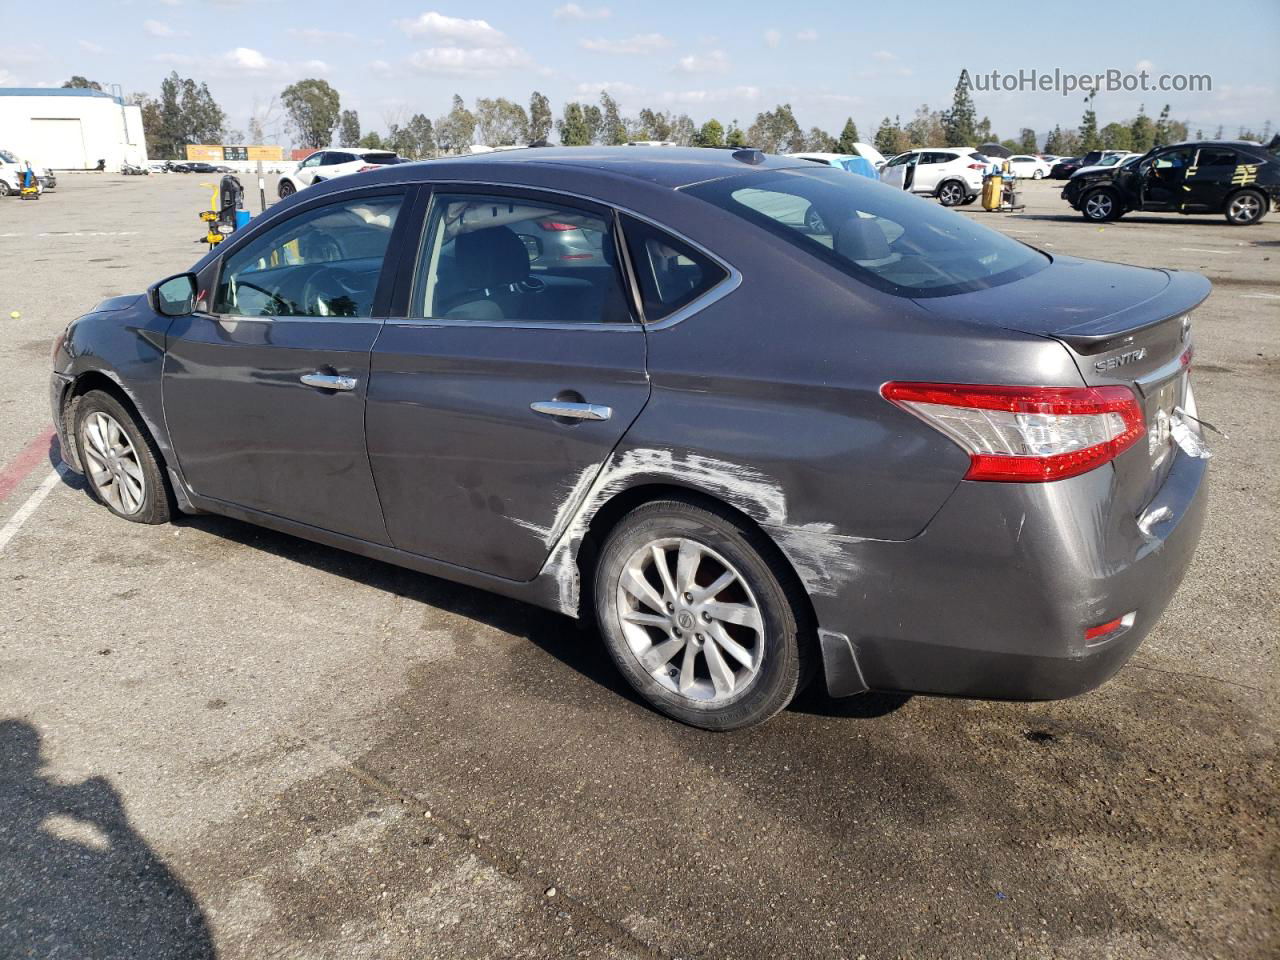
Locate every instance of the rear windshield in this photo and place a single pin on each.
(380, 158)
(888, 239)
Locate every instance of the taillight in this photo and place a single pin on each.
(555, 225)
(367, 166)
(977, 166)
(1027, 434)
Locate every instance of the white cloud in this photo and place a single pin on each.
(715, 61)
(712, 96)
(247, 59)
(8, 79)
(612, 87)
(807, 35)
(457, 31)
(460, 60)
(157, 29)
(1143, 65)
(88, 46)
(773, 38)
(884, 56)
(316, 35)
(640, 43)
(571, 11)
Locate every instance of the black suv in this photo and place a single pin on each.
(1237, 178)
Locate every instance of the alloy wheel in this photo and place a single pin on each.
(113, 463)
(952, 194)
(690, 620)
(1244, 208)
(1098, 206)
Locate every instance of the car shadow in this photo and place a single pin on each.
(76, 879)
(1074, 217)
(574, 643)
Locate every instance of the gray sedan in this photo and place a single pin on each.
(761, 420)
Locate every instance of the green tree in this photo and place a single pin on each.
(455, 130)
(1026, 140)
(818, 140)
(594, 119)
(1162, 128)
(349, 129)
(736, 137)
(926, 128)
(501, 122)
(313, 108)
(959, 122)
(1089, 139)
(1142, 132)
(613, 131)
(711, 134)
(80, 83)
(185, 113)
(848, 137)
(539, 118)
(421, 137)
(1062, 143)
(572, 126)
(683, 132)
(653, 125)
(1116, 136)
(371, 141)
(776, 131)
(891, 139)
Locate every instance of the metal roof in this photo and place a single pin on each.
(57, 92)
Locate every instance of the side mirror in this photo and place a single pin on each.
(174, 297)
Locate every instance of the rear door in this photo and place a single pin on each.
(518, 368)
(1209, 181)
(264, 393)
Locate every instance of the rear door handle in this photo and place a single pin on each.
(328, 381)
(573, 411)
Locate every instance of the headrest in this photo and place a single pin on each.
(492, 257)
(860, 238)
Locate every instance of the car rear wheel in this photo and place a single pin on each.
(697, 616)
(286, 189)
(119, 460)
(1246, 207)
(4, 189)
(1100, 206)
(952, 193)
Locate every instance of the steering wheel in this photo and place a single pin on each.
(332, 292)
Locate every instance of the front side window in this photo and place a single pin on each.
(1175, 160)
(323, 262)
(885, 238)
(494, 258)
(313, 160)
(671, 274)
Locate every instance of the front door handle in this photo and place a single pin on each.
(328, 381)
(572, 411)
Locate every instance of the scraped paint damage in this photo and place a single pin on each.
(823, 559)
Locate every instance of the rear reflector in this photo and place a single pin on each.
(1104, 631)
(1027, 434)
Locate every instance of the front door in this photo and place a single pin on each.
(264, 394)
(1165, 177)
(519, 368)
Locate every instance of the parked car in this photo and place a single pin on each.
(11, 173)
(789, 423)
(1063, 169)
(841, 161)
(1238, 178)
(952, 174)
(1107, 162)
(327, 164)
(1028, 166)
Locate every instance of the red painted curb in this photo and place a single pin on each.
(20, 467)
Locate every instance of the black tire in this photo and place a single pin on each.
(951, 193)
(1246, 207)
(1037, 175)
(4, 189)
(156, 502)
(286, 189)
(971, 198)
(783, 653)
(1100, 206)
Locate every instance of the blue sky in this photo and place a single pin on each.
(728, 60)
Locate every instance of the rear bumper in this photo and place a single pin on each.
(994, 598)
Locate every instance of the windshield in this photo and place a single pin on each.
(380, 158)
(886, 238)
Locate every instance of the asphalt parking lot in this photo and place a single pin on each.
(217, 740)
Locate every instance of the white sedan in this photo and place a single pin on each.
(1025, 165)
(327, 164)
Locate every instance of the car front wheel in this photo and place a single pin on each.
(695, 612)
(4, 189)
(952, 193)
(286, 189)
(119, 460)
(1038, 175)
(1100, 206)
(1246, 207)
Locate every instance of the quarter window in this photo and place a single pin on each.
(492, 258)
(671, 274)
(323, 262)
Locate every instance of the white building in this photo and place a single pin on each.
(70, 129)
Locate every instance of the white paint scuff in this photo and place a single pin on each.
(819, 555)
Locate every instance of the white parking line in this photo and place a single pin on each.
(14, 524)
(1260, 296)
(1203, 250)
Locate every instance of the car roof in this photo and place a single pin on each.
(816, 155)
(672, 167)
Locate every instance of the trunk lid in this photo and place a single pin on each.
(1122, 325)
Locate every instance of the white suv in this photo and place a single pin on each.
(327, 164)
(11, 175)
(952, 174)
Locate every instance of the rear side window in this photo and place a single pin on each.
(671, 274)
(1216, 157)
(887, 239)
